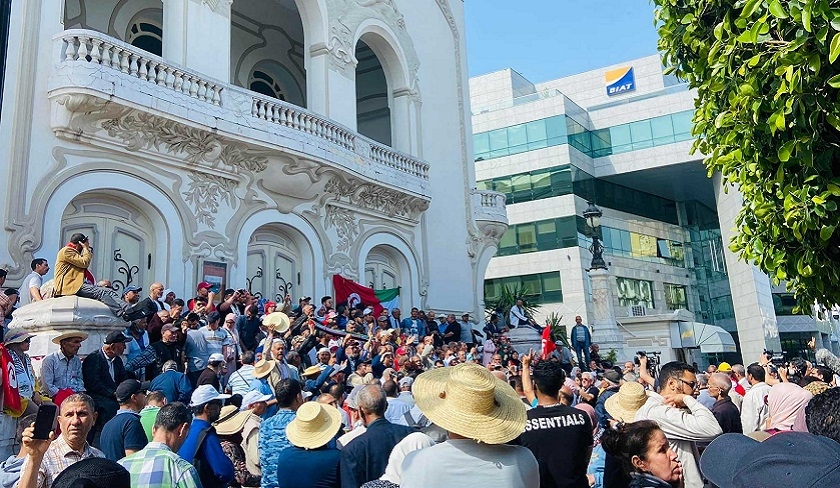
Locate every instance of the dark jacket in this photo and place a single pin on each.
(248, 330)
(366, 456)
(311, 468)
(728, 416)
(97, 378)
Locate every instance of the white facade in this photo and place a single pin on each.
(666, 224)
(269, 144)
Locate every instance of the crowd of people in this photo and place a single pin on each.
(231, 391)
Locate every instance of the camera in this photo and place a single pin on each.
(652, 363)
(777, 359)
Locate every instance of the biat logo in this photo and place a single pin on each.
(620, 80)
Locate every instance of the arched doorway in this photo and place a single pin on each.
(274, 264)
(121, 233)
(373, 106)
(386, 268)
(138, 22)
(268, 50)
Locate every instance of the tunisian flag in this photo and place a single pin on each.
(353, 293)
(12, 404)
(547, 344)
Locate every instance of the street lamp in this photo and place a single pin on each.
(592, 215)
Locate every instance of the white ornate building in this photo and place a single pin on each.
(259, 143)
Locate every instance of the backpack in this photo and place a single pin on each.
(205, 472)
(426, 426)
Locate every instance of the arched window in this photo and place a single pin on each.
(373, 111)
(264, 84)
(147, 36)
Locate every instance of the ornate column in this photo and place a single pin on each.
(605, 328)
(196, 34)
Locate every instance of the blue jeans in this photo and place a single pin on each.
(582, 352)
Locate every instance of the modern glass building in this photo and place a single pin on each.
(621, 137)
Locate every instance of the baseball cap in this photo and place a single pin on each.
(131, 288)
(253, 397)
(216, 358)
(167, 292)
(368, 311)
(203, 285)
(170, 328)
(786, 459)
(304, 299)
(406, 382)
(204, 394)
(116, 337)
(126, 389)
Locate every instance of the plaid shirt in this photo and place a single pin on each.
(60, 456)
(156, 466)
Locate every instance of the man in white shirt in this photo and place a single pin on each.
(518, 316)
(30, 290)
(754, 411)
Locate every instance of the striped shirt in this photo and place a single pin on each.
(156, 466)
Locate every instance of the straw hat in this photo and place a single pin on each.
(468, 400)
(313, 370)
(277, 321)
(314, 425)
(17, 336)
(263, 368)
(624, 404)
(69, 335)
(231, 420)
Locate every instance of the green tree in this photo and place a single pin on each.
(767, 118)
(507, 299)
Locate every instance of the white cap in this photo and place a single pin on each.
(167, 292)
(216, 358)
(368, 311)
(253, 397)
(204, 394)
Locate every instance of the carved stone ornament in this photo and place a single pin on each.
(221, 7)
(140, 130)
(342, 56)
(205, 193)
(345, 225)
(376, 198)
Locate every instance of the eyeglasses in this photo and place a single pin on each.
(692, 384)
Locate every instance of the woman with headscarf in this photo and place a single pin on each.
(393, 472)
(785, 403)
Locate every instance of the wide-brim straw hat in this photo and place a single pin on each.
(624, 404)
(469, 401)
(313, 370)
(70, 334)
(315, 424)
(231, 420)
(277, 321)
(263, 368)
(17, 336)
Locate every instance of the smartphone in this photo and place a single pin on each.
(44, 421)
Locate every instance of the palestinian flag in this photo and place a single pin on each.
(352, 293)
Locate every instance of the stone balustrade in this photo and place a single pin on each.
(241, 111)
(489, 205)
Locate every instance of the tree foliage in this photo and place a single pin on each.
(507, 299)
(767, 118)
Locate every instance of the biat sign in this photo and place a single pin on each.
(620, 80)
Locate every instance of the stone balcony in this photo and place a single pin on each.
(110, 94)
(490, 213)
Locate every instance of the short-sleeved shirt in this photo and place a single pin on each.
(216, 339)
(59, 456)
(147, 418)
(560, 438)
(271, 442)
(32, 280)
(124, 431)
(156, 466)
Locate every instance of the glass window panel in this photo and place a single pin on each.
(536, 131)
(503, 184)
(508, 240)
(498, 143)
(647, 246)
(626, 245)
(561, 182)
(541, 184)
(521, 182)
(555, 127)
(526, 237)
(481, 145)
(641, 134)
(606, 237)
(532, 285)
(662, 130)
(517, 139)
(601, 145)
(620, 137)
(484, 185)
(547, 233)
(682, 125)
(492, 289)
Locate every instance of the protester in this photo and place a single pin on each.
(794, 459)
(174, 385)
(481, 414)
(17, 342)
(102, 372)
(202, 447)
(93, 473)
(155, 400)
(273, 440)
(393, 471)
(46, 459)
(645, 454)
(726, 413)
(560, 437)
(254, 403)
(313, 457)
(229, 429)
(821, 414)
(785, 402)
(157, 465)
(124, 434)
(62, 370)
(365, 457)
(241, 381)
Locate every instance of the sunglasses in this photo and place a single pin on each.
(692, 384)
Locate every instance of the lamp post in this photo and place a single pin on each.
(592, 215)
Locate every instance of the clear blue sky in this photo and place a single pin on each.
(547, 39)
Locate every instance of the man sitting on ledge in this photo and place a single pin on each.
(70, 268)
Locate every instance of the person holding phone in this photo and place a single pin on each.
(73, 278)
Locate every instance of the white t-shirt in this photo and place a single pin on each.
(32, 280)
(465, 459)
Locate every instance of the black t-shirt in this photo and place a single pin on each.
(592, 390)
(560, 438)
